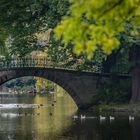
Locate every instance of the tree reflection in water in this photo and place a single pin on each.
(52, 119)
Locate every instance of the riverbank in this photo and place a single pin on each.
(121, 108)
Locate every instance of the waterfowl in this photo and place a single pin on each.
(82, 116)
(111, 118)
(75, 117)
(131, 118)
(50, 114)
(102, 117)
(25, 114)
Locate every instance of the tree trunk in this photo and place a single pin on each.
(134, 58)
(135, 85)
(110, 61)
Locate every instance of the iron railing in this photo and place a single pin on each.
(44, 62)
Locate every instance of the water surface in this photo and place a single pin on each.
(50, 118)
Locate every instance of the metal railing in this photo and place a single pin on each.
(43, 62)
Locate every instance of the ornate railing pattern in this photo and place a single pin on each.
(43, 62)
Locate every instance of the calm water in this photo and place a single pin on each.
(50, 118)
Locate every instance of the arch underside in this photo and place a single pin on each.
(43, 73)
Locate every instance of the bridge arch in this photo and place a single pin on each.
(49, 74)
(81, 86)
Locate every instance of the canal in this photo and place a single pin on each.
(51, 118)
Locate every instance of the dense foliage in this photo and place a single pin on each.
(115, 91)
(21, 82)
(94, 24)
(23, 20)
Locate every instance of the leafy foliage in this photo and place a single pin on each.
(23, 19)
(21, 82)
(113, 92)
(95, 24)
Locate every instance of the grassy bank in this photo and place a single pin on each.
(121, 108)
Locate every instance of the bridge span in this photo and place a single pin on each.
(82, 86)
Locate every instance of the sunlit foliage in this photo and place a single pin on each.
(94, 24)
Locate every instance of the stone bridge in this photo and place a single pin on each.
(82, 86)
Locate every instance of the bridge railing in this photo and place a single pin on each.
(43, 62)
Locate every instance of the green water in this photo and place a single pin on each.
(50, 118)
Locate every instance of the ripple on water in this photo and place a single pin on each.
(11, 106)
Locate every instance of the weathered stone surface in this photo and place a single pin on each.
(82, 86)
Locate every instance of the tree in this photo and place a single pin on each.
(95, 24)
(22, 20)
